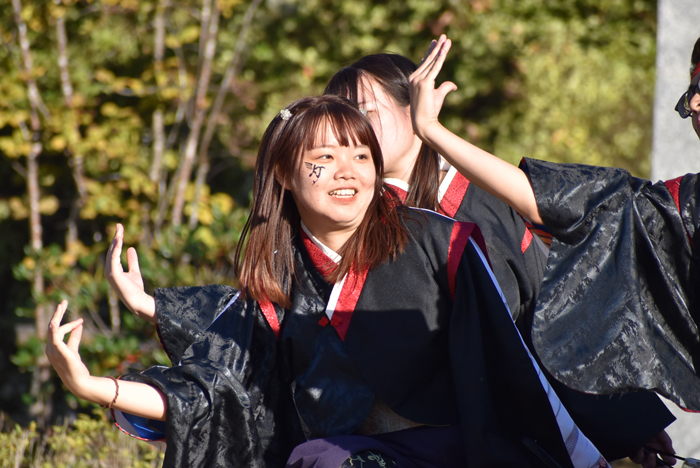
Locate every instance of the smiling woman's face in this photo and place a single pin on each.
(333, 187)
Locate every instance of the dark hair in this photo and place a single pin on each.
(267, 268)
(391, 71)
(695, 57)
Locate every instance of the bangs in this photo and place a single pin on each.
(345, 83)
(348, 125)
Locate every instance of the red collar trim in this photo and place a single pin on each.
(323, 263)
(346, 292)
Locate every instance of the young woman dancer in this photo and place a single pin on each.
(623, 268)
(372, 331)
(619, 426)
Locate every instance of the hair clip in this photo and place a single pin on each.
(364, 111)
(285, 114)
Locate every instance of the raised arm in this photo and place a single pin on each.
(492, 174)
(131, 397)
(128, 284)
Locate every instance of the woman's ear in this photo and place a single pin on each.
(282, 180)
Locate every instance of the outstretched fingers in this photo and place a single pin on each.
(433, 57)
(132, 261)
(433, 43)
(439, 58)
(114, 254)
(57, 331)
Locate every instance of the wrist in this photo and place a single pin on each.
(144, 307)
(430, 132)
(100, 390)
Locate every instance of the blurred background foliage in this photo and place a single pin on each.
(149, 113)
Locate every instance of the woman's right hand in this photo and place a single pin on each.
(64, 357)
(128, 284)
(426, 99)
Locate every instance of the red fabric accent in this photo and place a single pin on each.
(538, 230)
(696, 71)
(401, 193)
(268, 311)
(322, 262)
(461, 232)
(350, 293)
(674, 186)
(453, 197)
(527, 240)
(347, 301)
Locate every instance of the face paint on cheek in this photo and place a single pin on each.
(315, 171)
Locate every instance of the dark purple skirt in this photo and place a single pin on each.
(420, 447)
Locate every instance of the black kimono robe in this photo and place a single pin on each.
(619, 304)
(618, 425)
(428, 333)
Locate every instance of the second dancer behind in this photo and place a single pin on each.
(618, 425)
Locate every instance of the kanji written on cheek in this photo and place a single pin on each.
(315, 171)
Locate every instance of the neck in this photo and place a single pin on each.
(333, 239)
(403, 167)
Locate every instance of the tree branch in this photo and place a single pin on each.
(231, 71)
(199, 115)
(76, 159)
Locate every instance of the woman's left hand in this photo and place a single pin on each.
(426, 100)
(64, 357)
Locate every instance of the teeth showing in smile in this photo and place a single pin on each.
(343, 193)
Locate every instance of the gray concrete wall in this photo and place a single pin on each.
(676, 148)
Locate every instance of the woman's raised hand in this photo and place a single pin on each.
(128, 284)
(64, 357)
(426, 100)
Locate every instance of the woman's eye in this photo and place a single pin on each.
(362, 156)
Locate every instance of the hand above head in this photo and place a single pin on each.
(426, 100)
(128, 285)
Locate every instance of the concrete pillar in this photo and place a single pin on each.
(676, 148)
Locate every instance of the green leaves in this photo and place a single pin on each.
(564, 80)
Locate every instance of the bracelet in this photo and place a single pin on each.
(116, 394)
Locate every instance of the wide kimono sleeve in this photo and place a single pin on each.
(226, 404)
(184, 313)
(618, 309)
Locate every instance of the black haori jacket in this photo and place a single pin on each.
(617, 424)
(619, 307)
(427, 332)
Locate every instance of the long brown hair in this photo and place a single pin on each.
(267, 268)
(391, 72)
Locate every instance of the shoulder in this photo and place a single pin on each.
(423, 223)
(437, 232)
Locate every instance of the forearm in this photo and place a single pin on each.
(134, 398)
(147, 310)
(488, 172)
